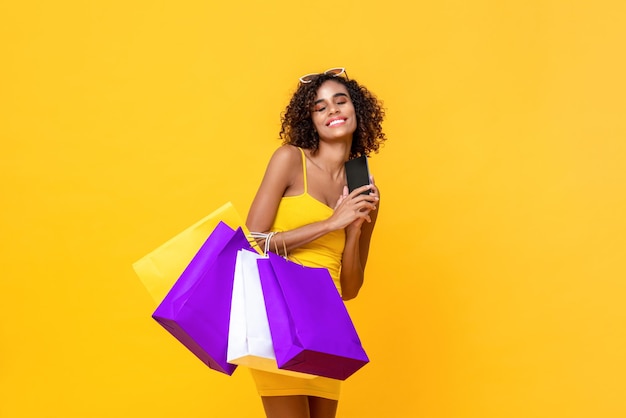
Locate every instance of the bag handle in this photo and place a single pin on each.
(267, 237)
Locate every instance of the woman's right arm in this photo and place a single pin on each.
(283, 168)
(277, 179)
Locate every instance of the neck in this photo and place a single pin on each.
(336, 151)
(330, 157)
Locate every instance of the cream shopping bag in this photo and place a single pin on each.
(160, 269)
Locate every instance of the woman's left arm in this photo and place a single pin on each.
(356, 251)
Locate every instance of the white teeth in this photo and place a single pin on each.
(335, 122)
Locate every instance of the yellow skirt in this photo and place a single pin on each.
(272, 384)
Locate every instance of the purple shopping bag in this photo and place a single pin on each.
(197, 309)
(311, 329)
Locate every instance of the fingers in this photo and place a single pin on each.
(361, 194)
(364, 190)
(362, 205)
(355, 207)
(341, 199)
(344, 195)
(370, 189)
(374, 191)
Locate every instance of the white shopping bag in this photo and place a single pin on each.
(249, 337)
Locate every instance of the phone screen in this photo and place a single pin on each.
(357, 173)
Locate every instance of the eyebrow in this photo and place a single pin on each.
(334, 95)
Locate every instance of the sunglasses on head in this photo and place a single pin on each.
(335, 72)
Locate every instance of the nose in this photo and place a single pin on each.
(333, 108)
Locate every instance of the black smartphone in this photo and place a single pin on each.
(357, 173)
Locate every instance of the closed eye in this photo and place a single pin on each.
(322, 108)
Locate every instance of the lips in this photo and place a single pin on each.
(336, 122)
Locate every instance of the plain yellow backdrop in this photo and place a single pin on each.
(496, 283)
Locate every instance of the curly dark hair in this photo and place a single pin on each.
(297, 127)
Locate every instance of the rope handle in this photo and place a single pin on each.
(268, 238)
(268, 242)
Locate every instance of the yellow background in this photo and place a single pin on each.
(496, 283)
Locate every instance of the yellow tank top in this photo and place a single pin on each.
(296, 211)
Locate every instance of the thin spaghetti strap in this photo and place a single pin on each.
(304, 169)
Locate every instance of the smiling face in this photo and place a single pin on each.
(333, 113)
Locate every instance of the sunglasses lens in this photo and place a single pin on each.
(334, 71)
(308, 78)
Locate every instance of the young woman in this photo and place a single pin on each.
(303, 197)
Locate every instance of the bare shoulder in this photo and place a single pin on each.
(285, 169)
(286, 159)
(287, 155)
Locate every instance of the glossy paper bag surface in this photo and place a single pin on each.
(159, 269)
(197, 309)
(249, 338)
(311, 329)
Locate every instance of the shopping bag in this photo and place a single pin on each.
(197, 309)
(159, 269)
(311, 329)
(249, 338)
